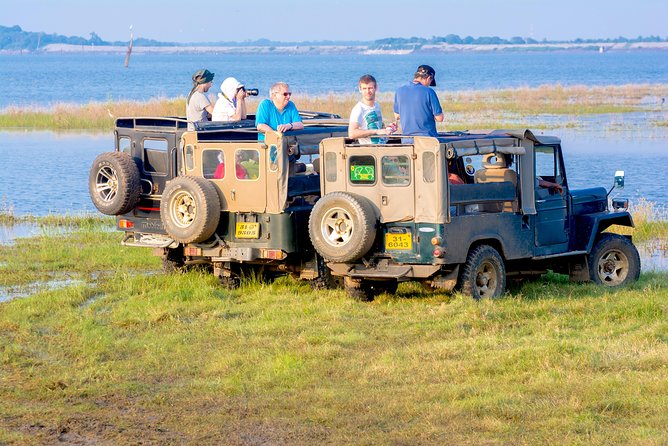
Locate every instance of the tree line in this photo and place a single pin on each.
(14, 39)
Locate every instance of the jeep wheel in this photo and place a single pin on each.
(484, 274)
(614, 261)
(378, 287)
(173, 260)
(114, 183)
(190, 209)
(342, 227)
(325, 280)
(357, 289)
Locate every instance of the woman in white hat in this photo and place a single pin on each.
(231, 103)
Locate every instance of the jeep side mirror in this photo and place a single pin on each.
(619, 181)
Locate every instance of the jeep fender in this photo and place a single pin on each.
(600, 223)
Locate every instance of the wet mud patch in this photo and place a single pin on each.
(12, 292)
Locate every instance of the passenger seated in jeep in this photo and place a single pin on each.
(241, 172)
(453, 178)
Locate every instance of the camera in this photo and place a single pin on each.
(251, 91)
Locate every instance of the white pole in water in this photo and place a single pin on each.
(127, 55)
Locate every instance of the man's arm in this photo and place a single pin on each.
(295, 120)
(262, 118)
(550, 185)
(354, 131)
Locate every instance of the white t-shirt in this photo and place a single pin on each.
(196, 108)
(223, 110)
(368, 118)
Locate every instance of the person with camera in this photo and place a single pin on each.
(277, 113)
(198, 106)
(231, 103)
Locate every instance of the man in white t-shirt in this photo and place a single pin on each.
(198, 106)
(366, 119)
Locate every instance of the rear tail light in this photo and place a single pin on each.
(438, 252)
(273, 254)
(125, 224)
(192, 251)
(436, 241)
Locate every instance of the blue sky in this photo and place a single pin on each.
(294, 20)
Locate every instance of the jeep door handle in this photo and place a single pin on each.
(541, 201)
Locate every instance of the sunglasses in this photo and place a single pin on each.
(287, 94)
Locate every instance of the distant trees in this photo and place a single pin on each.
(454, 39)
(13, 38)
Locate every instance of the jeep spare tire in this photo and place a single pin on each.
(190, 209)
(114, 184)
(342, 227)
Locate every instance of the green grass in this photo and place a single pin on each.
(132, 356)
(481, 109)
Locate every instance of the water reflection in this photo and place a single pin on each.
(47, 172)
(653, 255)
(8, 293)
(9, 233)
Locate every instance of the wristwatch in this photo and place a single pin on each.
(291, 126)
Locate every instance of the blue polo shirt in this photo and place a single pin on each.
(268, 114)
(417, 105)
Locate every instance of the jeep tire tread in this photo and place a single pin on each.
(190, 209)
(614, 261)
(342, 226)
(114, 184)
(484, 274)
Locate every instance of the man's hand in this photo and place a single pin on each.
(282, 128)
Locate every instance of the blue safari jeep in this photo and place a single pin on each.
(463, 210)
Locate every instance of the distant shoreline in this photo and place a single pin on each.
(349, 49)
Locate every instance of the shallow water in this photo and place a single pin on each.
(81, 78)
(47, 172)
(8, 293)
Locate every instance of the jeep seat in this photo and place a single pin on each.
(495, 171)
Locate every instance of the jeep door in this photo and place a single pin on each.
(158, 166)
(238, 169)
(551, 206)
(385, 177)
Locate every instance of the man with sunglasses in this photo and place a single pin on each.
(416, 105)
(277, 113)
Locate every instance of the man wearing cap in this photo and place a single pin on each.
(416, 105)
(231, 103)
(277, 113)
(198, 106)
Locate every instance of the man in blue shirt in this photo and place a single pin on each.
(277, 113)
(416, 105)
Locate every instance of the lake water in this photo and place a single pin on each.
(47, 172)
(43, 79)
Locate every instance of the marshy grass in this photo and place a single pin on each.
(174, 359)
(464, 109)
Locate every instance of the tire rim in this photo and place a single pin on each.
(486, 280)
(337, 227)
(613, 267)
(183, 209)
(106, 183)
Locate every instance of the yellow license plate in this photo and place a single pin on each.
(398, 241)
(247, 230)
